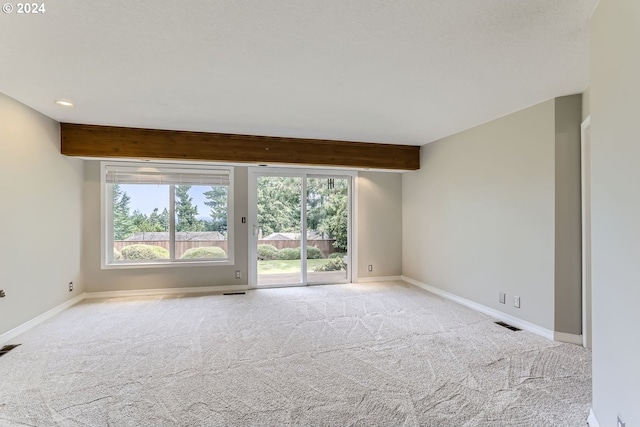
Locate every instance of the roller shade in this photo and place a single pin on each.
(127, 175)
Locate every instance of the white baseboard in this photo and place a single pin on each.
(592, 420)
(378, 279)
(568, 338)
(9, 335)
(167, 291)
(512, 320)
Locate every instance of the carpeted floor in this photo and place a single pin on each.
(385, 354)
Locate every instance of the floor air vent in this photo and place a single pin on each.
(7, 348)
(508, 326)
(234, 293)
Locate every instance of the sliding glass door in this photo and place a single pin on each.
(300, 227)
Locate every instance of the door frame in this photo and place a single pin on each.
(585, 184)
(252, 219)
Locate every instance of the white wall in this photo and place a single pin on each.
(379, 224)
(496, 209)
(40, 218)
(479, 214)
(615, 210)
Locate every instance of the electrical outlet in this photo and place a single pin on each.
(516, 302)
(238, 274)
(370, 267)
(2, 294)
(621, 423)
(502, 298)
(70, 286)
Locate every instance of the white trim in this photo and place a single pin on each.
(592, 420)
(106, 211)
(585, 196)
(172, 223)
(29, 324)
(568, 338)
(378, 279)
(252, 227)
(303, 231)
(353, 233)
(167, 291)
(512, 320)
(351, 220)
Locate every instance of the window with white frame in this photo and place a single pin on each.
(166, 215)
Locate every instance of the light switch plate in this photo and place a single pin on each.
(502, 298)
(516, 302)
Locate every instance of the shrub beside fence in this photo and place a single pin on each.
(181, 246)
(326, 246)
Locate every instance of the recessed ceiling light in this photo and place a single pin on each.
(64, 103)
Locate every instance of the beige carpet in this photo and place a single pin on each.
(344, 355)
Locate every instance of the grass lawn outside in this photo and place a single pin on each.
(288, 266)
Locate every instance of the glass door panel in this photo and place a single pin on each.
(279, 230)
(327, 229)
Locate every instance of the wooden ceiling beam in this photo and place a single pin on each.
(135, 143)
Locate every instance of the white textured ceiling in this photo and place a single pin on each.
(406, 72)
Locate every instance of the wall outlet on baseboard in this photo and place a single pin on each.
(70, 286)
(516, 302)
(370, 267)
(502, 298)
(238, 274)
(620, 422)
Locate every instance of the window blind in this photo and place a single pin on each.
(129, 175)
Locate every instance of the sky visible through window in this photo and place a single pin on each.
(146, 198)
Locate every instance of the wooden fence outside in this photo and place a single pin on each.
(326, 246)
